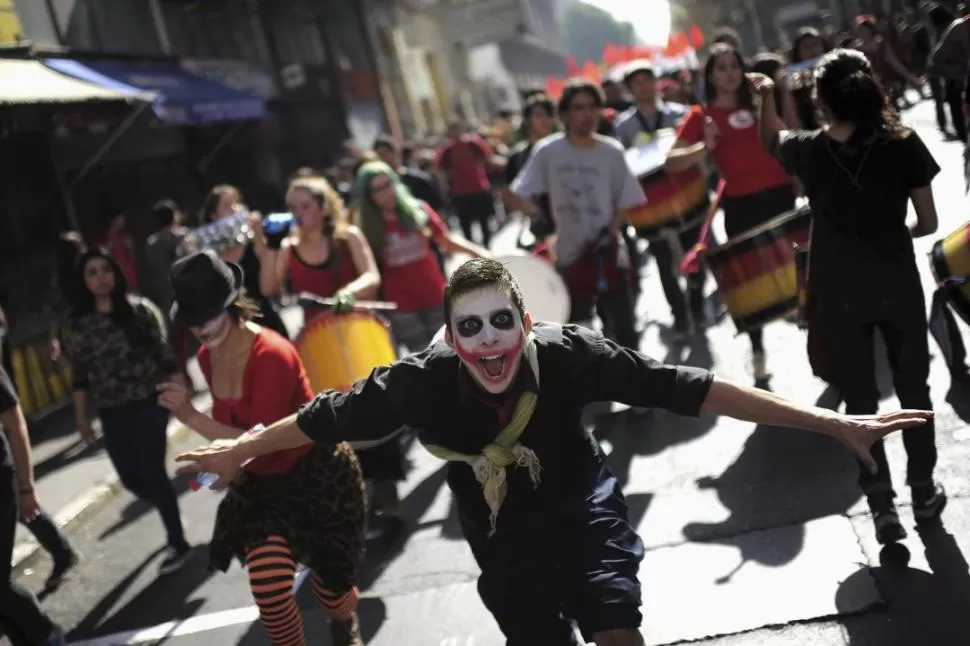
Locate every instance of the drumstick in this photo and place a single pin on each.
(691, 262)
(306, 298)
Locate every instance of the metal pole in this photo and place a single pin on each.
(160, 28)
(203, 164)
(112, 140)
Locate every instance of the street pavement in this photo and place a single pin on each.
(754, 535)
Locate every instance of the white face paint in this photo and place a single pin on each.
(213, 333)
(488, 334)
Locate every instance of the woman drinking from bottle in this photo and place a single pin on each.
(725, 131)
(401, 231)
(302, 505)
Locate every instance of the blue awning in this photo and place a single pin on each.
(180, 97)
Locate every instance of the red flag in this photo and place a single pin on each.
(554, 87)
(592, 72)
(696, 37)
(572, 66)
(610, 54)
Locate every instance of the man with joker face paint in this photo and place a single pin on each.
(500, 399)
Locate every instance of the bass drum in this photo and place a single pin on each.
(340, 350)
(950, 260)
(543, 289)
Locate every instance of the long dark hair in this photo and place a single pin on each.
(807, 33)
(136, 327)
(849, 91)
(745, 98)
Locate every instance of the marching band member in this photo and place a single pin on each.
(860, 173)
(725, 130)
(500, 400)
(637, 126)
(225, 201)
(118, 352)
(303, 505)
(590, 189)
(400, 230)
(329, 257)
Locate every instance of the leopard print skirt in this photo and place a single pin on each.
(318, 505)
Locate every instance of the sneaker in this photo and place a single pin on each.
(928, 502)
(62, 567)
(57, 638)
(759, 365)
(175, 558)
(346, 633)
(886, 519)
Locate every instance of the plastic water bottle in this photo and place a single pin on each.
(276, 223)
(205, 480)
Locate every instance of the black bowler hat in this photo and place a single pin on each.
(203, 286)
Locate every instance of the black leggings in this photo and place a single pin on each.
(848, 328)
(745, 212)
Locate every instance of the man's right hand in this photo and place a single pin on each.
(223, 458)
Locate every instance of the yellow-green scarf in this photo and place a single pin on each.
(490, 467)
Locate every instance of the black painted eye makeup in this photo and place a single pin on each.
(503, 319)
(470, 326)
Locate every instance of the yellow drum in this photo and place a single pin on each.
(338, 351)
(950, 260)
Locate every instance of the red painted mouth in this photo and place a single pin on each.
(493, 366)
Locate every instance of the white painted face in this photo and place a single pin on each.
(213, 333)
(488, 334)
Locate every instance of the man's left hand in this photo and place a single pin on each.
(860, 432)
(175, 396)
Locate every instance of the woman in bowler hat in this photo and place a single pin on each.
(303, 505)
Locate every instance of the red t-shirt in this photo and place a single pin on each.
(466, 160)
(741, 159)
(275, 385)
(410, 274)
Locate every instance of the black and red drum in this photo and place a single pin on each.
(950, 260)
(757, 271)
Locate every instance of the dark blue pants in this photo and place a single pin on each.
(136, 439)
(541, 576)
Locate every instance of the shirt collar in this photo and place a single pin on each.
(468, 388)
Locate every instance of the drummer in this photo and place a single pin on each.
(331, 258)
(725, 131)
(638, 126)
(590, 189)
(400, 229)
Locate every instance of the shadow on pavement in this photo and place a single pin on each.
(633, 434)
(920, 607)
(162, 600)
(75, 451)
(782, 477)
(138, 508)
(380, 554)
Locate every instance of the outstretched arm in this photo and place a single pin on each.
(858, 433)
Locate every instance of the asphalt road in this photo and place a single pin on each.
(755, 535)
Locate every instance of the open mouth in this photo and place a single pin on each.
(494, 367)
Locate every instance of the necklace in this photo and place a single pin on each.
(853, 177)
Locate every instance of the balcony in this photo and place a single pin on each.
(479, 22)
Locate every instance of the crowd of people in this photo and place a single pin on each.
(499, 397)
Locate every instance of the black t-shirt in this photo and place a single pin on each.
(8, 400)
(422, 187)
(859, 198)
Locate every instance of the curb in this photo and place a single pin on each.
(84, 506)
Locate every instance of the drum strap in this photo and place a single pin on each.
(491, 466)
